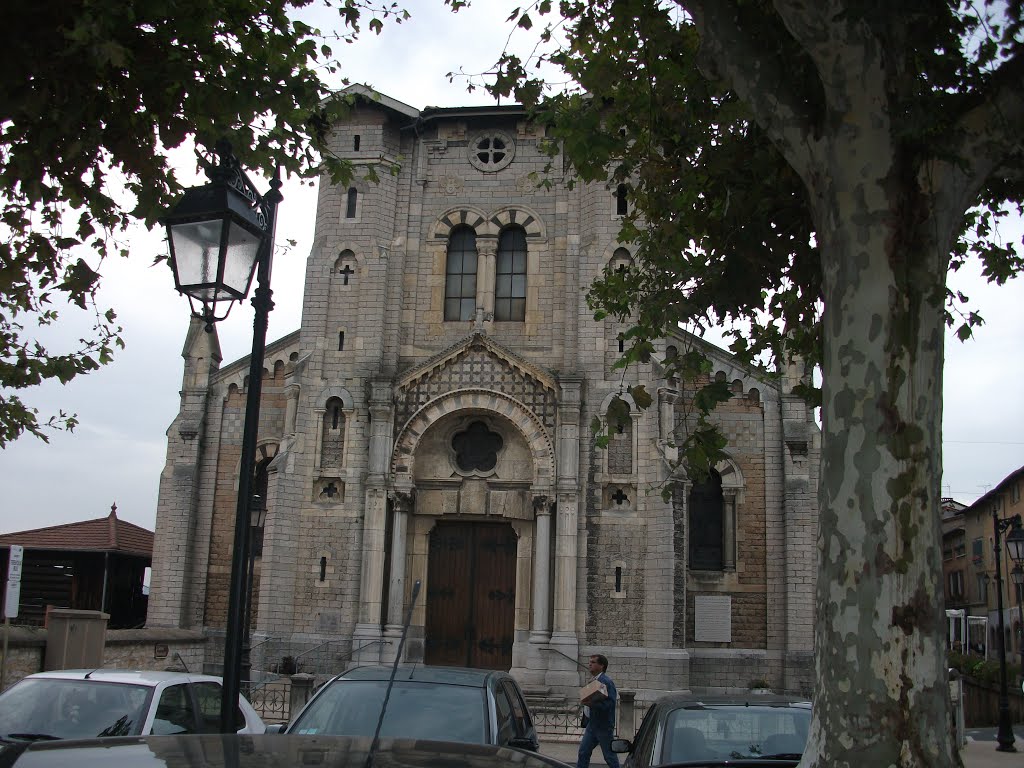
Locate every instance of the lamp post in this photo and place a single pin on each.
(219, 235)
(257, 519)
(1015, 547)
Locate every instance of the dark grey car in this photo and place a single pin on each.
(741, 730)
(239, 751)
(475, 706)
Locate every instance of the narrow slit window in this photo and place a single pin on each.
(622, 343)
(621, 203)
(350, 207)
(618, 578)
(341, 341)
(355, 143)
(323, 568)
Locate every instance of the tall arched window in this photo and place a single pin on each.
(620, 446)
(460, 275)
(510, 275)
(332, 445)
(707, 512)
(350, 205)
(260, 488)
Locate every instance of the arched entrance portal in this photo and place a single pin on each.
(471, 595)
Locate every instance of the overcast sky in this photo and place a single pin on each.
(117, 452)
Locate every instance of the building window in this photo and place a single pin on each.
(510, 275)
(476, 449)
(621, 200)
(977, 550)
(1015, 493)
(355, 143)
(707, 511)
(620, 446)
(332, 445)
(350, 205)
(956, 585)
(983, 588)
(490, 152)
(460, 275)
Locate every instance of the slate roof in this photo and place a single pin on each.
(104, 534)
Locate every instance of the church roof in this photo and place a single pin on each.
(103, 534)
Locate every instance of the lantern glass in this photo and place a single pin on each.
(1015, 544)
(215, 238)
(1017, 574)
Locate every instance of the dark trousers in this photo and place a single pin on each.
(591, 738)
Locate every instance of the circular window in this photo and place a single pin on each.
(492, 151)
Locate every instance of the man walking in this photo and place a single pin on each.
(599, 718)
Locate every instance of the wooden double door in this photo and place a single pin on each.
(471, 595)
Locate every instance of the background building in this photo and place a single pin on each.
(431, 420)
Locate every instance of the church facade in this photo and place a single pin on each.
(431, 422)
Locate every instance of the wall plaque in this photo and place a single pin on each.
(712, 619)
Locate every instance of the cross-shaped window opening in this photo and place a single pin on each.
(619, 497)
(345, 273)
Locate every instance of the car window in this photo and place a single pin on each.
(506, 722)
(174, 712)
(73, 709)
(416, 710)
(737, 732)
(519, 709)
(643, 742)
(208, 695)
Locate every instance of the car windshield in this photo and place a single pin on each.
(47, 708)
(415, 711)
(734, 732)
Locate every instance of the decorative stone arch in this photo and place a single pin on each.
(520, 216)
(346, 251)
(620, 254)
(467, 216)
(266, 451)
(540, 442)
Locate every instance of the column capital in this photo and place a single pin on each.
(403, 500)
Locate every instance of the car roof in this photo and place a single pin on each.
(268, 751)
(476, 678)
(124, 676)
(677, 700)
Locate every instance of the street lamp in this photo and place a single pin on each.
(257, 519)
(219, 235)
(1015, 547)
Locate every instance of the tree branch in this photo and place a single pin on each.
(728, 54)
(989, 140)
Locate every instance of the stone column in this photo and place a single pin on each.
(563, 672)
(402, 505)
(371, 585)
(487, 253)
(540, 631)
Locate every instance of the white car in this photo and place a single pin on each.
(89, 703)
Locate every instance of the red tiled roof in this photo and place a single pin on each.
(104, 534)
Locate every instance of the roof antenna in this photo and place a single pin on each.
(394, 670)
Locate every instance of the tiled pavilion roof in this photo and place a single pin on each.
(103, 534)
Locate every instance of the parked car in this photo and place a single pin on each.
(242, 751)
(84, 703)
(475, 706)
(743, 729)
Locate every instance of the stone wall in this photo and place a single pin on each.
(150, 649)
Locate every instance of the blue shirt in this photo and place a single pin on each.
(602, 713)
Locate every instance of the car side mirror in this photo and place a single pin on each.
(276, 728)
(621, 745)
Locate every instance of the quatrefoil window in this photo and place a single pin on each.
(476, 449)
(492, 151)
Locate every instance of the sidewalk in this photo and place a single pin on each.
(977, 754)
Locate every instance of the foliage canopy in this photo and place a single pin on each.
(94, 96)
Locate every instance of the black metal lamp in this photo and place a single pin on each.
(219, 235)
(1015, 541)
(1015, 547)
(216, 234)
